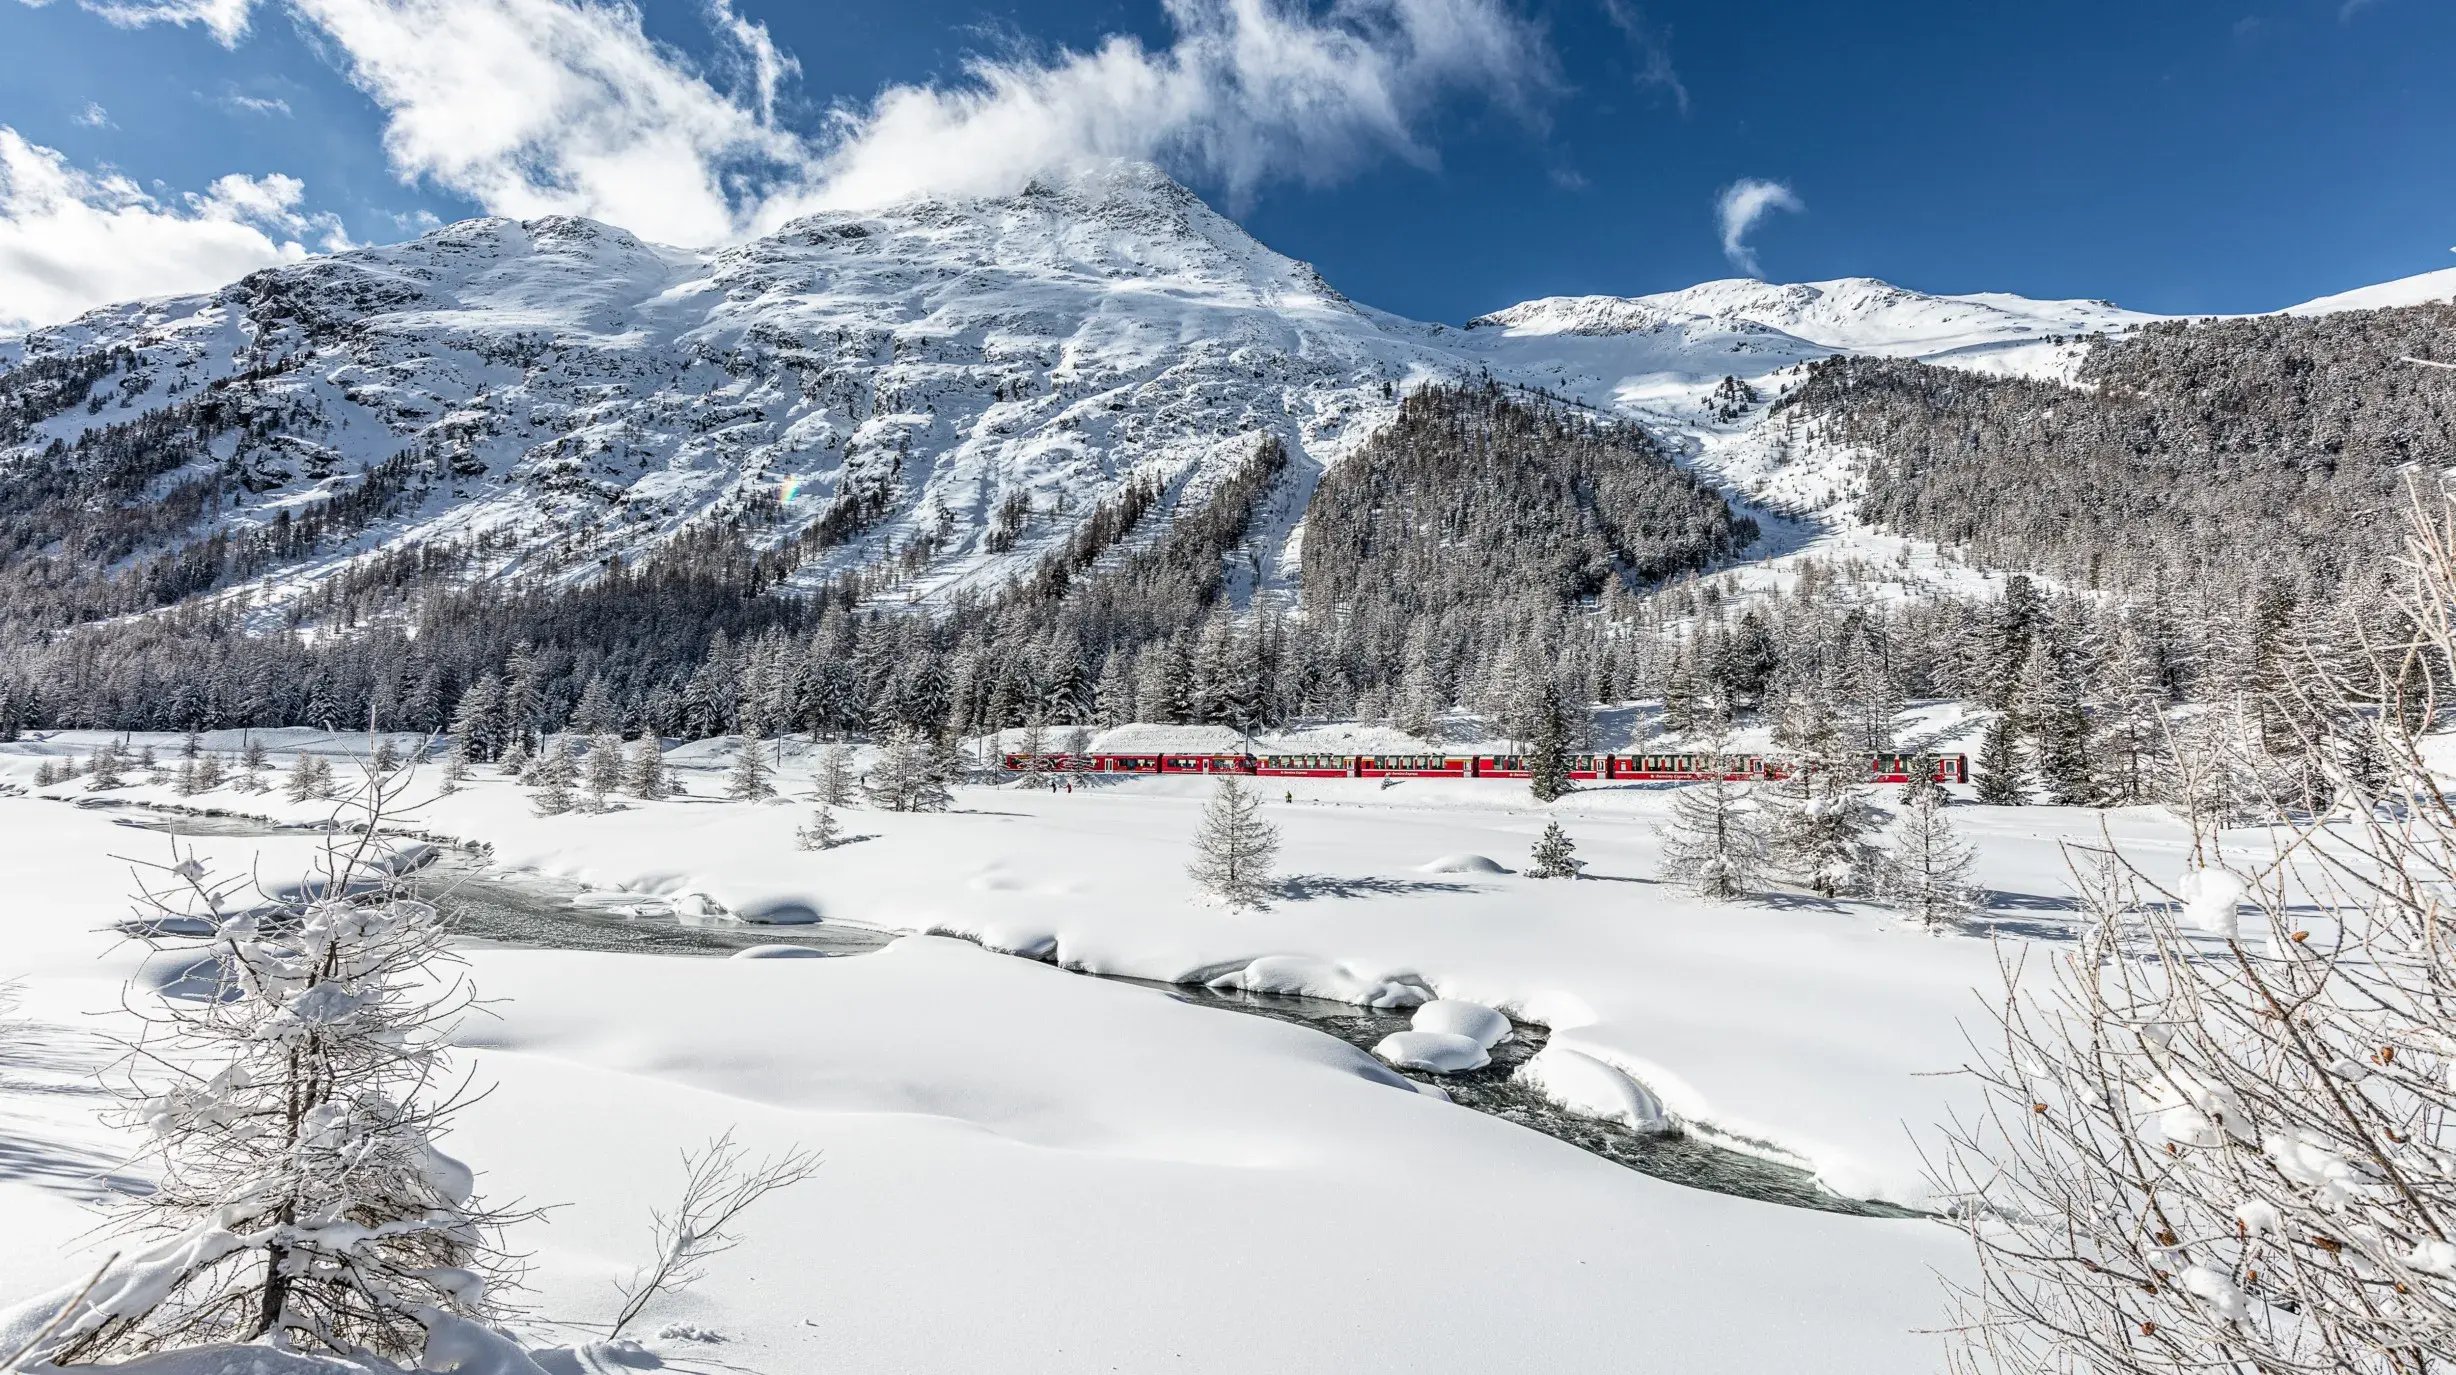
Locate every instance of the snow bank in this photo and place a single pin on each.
(1464, 864)
(1304, 976)
(1454, 1017)
(1435, 1052)
(1590, 1088)
(778, 952)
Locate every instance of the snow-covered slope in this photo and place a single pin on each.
(2421, 289)
(958, 381)
(1850, 314)
(581, 394)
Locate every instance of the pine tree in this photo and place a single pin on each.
(1927, 865)
(1548, 752)
(1715, 843)
(187, 782)
(648, 780)
(1553, 854)
(2001, 778)
(514, 761)
(209, 772)
(749, 782)
(302, 1200)
(824, 832)
(1234, 848)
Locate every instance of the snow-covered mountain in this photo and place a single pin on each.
(954, 382)
(1850, 314)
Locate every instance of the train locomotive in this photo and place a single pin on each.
(1634, 768)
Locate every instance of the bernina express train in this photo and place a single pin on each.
(1675, 768)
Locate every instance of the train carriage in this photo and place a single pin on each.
(1636, 768)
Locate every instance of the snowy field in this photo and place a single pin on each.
(1032, 1170)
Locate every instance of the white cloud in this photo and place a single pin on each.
(72, 239)
(226, 20)
(1740, 206)
(93, 116)
(531, 107)
(257, 104)
(534, 107)
(1247, 91)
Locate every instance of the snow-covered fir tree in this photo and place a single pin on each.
(1547, 757)
(1234, 849)
(1555, 854)
(824, 832)
(104, 770)
(2003, 780)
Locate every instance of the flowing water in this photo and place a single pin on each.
(494, 907)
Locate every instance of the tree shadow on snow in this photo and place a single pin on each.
(1307, 887)
(86, 1176)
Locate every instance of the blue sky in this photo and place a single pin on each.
(1435, 157)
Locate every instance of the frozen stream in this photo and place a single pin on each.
(496, 907)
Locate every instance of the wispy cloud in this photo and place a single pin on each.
(73, 238)
(1651, 46)
(256, 104)
(93, 116)
(1740, 206)
(226, 20)
(2347, 10)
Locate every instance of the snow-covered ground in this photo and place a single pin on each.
(1026, 1170)
(1086, 1175)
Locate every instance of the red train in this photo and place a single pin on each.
(1676, 768)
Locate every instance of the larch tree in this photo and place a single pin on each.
(833, 783)
(2219, 1133)
(647, 779)
(1926, 867)
(1714, 845)
(303, 1199)
(749, 780)
(1234, 848)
